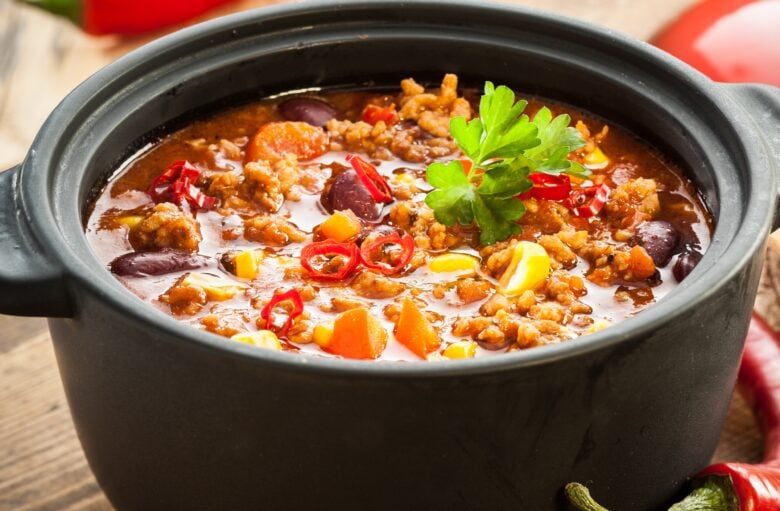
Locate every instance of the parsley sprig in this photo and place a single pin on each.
(504, 146)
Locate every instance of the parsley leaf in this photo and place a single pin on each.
(504, 146)
(451, 202)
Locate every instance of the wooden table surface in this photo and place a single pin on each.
(42, 466)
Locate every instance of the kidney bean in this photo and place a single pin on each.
(346, 191)
(660, 239)
(309, 110)
(148, 262)
(685, 264)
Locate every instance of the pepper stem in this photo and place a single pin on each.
(579, 496)
(714, 494)
(70, 9)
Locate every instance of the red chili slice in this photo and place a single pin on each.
(588, 201)
(177, 184)
(367, 249)
(328, 248)
(371, 178)
(267, 312)
(548, 187)
(372, 114)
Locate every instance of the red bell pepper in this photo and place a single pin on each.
(99, 17)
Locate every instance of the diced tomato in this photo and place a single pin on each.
(372, 114)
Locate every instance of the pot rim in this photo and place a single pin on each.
(707, 278)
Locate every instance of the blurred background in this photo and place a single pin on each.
(44, 55)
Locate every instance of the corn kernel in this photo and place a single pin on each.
(404, 178)
(341, 226)
(323, 334)
(528, 269)
(461, 349)
(596, 159)
(262, 339)
(454, 262)
(216, 288)
(247, 264)
(598, 325)
(131, 221)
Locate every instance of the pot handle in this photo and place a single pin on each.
(763, 102)
(30, 283)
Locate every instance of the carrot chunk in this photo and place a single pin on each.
(642, 265)
(357, 334)
(414, 331)
(276, 139)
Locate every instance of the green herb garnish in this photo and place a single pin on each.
(504, 146)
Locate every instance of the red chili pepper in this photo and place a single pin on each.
(267, 312)
(749, 487)
(126, 17)
(367, 249)
(371, 179)
(372, 114)
(330, 248)
(757, 487)
(588, 201)
(177, 184)
(548, 187)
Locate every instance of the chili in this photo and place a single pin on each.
(548, 187)
(367, 249)
(588, 201)
(177, 184)
(294, 297)
(371, 179)
(372, 114)
(330, 248)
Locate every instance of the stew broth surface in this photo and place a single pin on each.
(460, 307)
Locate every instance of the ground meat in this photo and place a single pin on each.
(496, 257)
(591, 141)
(393, 311)
(496, 303)
(506, 328)
(302, 331)
(308, 292)
(548, 217)
(184, 299)
(380, 141)
(471, 290)
(225, 323)
(344, 303)
(272, 230)
(269, 185)
(620, 265)
(632, 203)
(550, 311)
(262, 184)
(418, 220)
(558, 251)
(373, 285)
(166, 226)
(433, 112)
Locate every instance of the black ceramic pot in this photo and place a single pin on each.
(172, 418)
